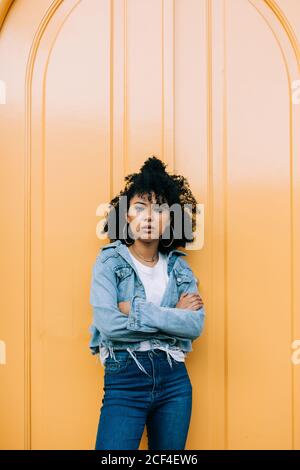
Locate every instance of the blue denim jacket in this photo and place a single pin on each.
(115, 279)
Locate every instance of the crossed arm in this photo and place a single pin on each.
(143, 317)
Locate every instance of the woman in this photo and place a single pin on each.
(147, 311)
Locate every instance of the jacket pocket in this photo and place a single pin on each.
(113, 367)
(124, 279)
(122, 272)
(185, 282)
(184, 276)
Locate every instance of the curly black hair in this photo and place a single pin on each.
(170, 189)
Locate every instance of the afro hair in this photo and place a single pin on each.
(167, 188)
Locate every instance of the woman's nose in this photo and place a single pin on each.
(148, 218)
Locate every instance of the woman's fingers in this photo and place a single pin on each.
(196, 304)
(196, 307)
(191, 300)
(184, 294)
(194, 296)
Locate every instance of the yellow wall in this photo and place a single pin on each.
(94, 87)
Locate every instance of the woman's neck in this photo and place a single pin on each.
(146, 252)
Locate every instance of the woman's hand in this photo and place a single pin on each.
(190, 301)
(124, 307)
(187, 300)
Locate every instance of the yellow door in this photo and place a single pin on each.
(88, 90)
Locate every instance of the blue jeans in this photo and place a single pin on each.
(161, 400)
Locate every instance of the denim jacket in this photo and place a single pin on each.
(115, 279)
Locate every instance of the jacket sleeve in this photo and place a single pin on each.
(173, 321)
(107, 317)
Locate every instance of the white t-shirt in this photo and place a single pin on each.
(154, 279)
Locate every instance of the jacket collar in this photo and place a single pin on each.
(121, 248)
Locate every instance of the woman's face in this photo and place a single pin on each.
(147, 219)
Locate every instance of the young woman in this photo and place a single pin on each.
(146, 312)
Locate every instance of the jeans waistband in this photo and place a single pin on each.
(123, 353)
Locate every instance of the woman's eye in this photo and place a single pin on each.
(156, 209)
